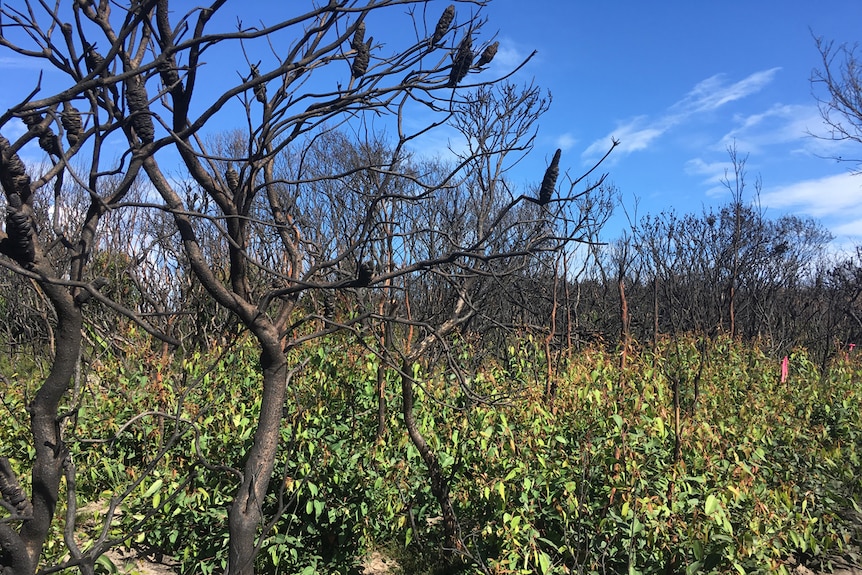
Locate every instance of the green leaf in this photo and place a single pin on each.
(106, 563)
(313, 489)
(544, 563)
(446, 460)
(157, 484)
(712, 504)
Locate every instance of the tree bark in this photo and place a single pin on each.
(24, 548)
(439, 482)
(245, 514)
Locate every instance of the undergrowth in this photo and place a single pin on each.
(584, 481)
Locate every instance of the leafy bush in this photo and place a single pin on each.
(586, 481)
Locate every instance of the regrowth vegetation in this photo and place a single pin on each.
(284, 203)
(588, 482)
(251, 327)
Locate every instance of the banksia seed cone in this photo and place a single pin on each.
(12, 171)
(329, 308)
(93, 58)
(70, 117)
(170, 78)
(462, 62)
(136, 98)
(260, 89)
(19, 228)
(488, 55)
(48, 142)
(47, 138)
(32, 121)
(443, 24)
(358, 36)
(260, 93)
(364, 274)
(360, 62)
(549, 182)
(232, 178)
(10, 491)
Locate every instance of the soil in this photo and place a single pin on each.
(377, 564)
(140, 563)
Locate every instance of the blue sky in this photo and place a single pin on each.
(679, 81)
(675, 81)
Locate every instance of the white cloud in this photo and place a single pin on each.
(835, 195)
(14, 129)
(634, 135)
(851, 229)
(780, 124)
(712, 172)
(834, 200)
(565, 141)
(509, 55)
(710, 94)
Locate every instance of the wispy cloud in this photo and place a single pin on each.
(827, 196)
(780, 124)
(565, 141)
(835, 200)
(510, 55)
(714, 92)
(710, 94)
(711, 172)
(851, 228)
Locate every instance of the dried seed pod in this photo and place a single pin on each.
(488, 54)
(364, 274)
(443, 24)
(232, 178)
(19, 228)
(136, 98)
(168, 72)
(358, 36)
(47, 138)
(329, 308)
(12, 171)
(32, 121)
(462, 62)
(549, 182)
(360, 62)
(93, 59)
(11, 163)
(70, 117)
(49, 142)
(11, 492)
(260, 89)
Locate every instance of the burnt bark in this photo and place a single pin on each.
(439, 482)
(24, 547)
(245, 514)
